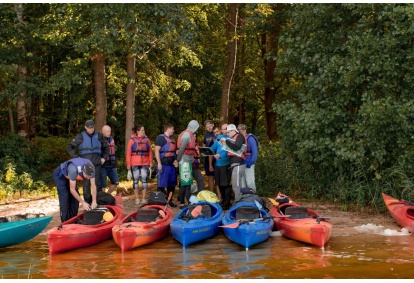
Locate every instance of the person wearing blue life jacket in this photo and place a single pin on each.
(109, 167)
(65, 177)
(252, 149)
(93, 146)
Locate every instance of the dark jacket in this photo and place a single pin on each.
(94, 157)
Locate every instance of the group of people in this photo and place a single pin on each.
(231, 166)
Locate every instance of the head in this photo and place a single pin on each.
(209, 125)
(242, 129)
(139, 130)
(90, 126)
(88, 171)
(193, 126)
(231, 130)
(106, 131)
(168, 130)
(223, 129)
(216, 131)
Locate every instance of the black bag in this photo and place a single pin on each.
(94, 216)
(247, 212)
(105, 198)
(147, 215)
(157, 198)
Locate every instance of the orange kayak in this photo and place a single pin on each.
(142, 227)
(301, 224)
(401, 211)
(71, 234)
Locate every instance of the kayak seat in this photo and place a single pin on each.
(297, 212)
(147, 215)
(247, 212)
(94, 216)
(205, 210)
(3, 219)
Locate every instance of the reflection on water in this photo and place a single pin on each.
(352, 256)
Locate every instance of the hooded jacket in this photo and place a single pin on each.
(186, 142)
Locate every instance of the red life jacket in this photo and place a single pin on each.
(244, 151)
(190, 147)
(249, 150)
(111, 155)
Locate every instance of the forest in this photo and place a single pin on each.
(327, 88)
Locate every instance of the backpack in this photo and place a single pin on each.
(157, 198)
(104, 198)
(206, 195)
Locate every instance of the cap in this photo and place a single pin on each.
(232, 127)
(90, 124)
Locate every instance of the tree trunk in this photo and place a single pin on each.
(269, 43)
(130, 99)
(231, 29)
(100, 91)
(9, 107)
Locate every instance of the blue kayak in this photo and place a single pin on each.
(18, 229)
(188, 229)
(247, 225)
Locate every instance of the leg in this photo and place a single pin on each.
(98, 177)
(144, 175)
(113, 177)
(135, 176)
(249, 177)
(104, 174)
(62, 185)
(199, 179)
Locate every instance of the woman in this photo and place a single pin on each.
(139, 160)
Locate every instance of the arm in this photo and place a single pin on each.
(157, 157)
(105, 147)
(93, 193)
(253, 146)
(237, 145)
(128, 154)
(150, 153)
(185, 139)
(72, 188)
(74, 144)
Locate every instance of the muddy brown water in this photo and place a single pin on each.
(345, 256)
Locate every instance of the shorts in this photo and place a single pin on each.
(167, 177)
(207, 167)
(112, 175)
(222, 175)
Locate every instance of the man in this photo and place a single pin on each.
(209, 161)
(196, 168)
(235, 143)
(65, 176)
(93, 146)
(252, 148)
(185, 157)
(166, 156)
(109, 166)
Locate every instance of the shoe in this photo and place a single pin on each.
(172, 204)
(137, 201)
(144, 201)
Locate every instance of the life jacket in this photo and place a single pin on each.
(90, 144)
(249, 150)
(190, 147)
(111, 155)
(78, 162)
(168, 149)
(244, 151)
(140, 146)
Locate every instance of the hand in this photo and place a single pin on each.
(102, 161)
(94, 205)
(248, 165)
(85, 205)
(129, 175)
(159, 166)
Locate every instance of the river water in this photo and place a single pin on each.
(364, 255)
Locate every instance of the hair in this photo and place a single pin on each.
(137, 128)
(168, 126)
(241, 127)
(208, 122)
(89, 169)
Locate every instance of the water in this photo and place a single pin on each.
(368, 254)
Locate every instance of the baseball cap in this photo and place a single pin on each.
(232, 127)
(90, 124)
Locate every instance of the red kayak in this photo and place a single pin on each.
(300, 223)
(401, 211)
(147, 225)
(73, 234)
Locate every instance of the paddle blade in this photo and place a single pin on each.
(275, 203)
(162, 213)
(196, 211)
(169, 196)
(232, 225)
(108, 216)
(259, 206)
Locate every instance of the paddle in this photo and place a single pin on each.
(259, 206)
(240, 221)
(108, 216)
(196, 212)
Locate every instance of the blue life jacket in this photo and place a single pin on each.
(140, 146)
(168, 149)
(79, 162)
(90, 144)
(248, 149)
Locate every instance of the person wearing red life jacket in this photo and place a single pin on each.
(185, 157)
(109, 168)
(138, 161)
(65, 177)
(196, 168)
(235, 143)
(166, 155)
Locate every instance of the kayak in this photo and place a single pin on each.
(73, 233)
(147, 225)
(401, 211)
(247, 224)
(301, 224)
(17, 229)
(188, 227)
